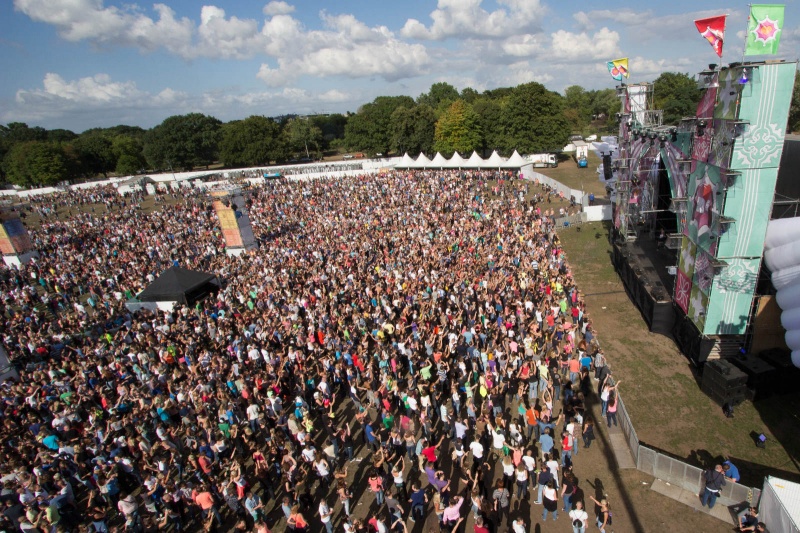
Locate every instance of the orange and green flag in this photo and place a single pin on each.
(764, 29)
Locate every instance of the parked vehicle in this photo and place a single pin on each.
(543, 160)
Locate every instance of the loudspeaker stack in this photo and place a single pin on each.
(724, 383)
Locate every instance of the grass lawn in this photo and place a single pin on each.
(568, 173)
(660, 387)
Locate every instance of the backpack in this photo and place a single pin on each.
(577, 523)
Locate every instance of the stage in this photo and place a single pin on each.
(643, 268)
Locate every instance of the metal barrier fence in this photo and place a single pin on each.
(675, 471)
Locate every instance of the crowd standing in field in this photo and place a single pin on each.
(403, 352)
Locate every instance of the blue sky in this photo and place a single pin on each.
(81, 63)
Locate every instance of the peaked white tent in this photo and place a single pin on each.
(405, 162)
(515, 161)
(422, 162)
(474, 161)
(438, 161)
(456, 161)
(494, 161)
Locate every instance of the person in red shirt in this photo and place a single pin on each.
(479, 527)
(429, 452)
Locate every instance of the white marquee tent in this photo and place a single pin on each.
(495, 161)
(438, 161)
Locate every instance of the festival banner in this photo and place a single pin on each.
(618, 68)
(764, 29)
(713, 30)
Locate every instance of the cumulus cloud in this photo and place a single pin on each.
(101, 101)
(277, 7)
(466, 18)
(603, 44)
(346, 47)
(89, 20)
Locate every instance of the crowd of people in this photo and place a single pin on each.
(412, 343)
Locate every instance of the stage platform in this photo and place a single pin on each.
(643, 268)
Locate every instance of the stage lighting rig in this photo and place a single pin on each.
(701, 127)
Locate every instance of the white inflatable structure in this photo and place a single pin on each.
(782, 256)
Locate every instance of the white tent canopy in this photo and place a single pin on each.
(475, 161)
(406, 161)
(456, 161)
(438, 161)
(515, 161)
(494, 161)
(421, 162)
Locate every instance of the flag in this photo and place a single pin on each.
(618, 68)
(764, 29)
(713, 30)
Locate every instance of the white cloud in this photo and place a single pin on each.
(98, 89)
(603, 44)
(100, 101)
(584, 21)
(524, 45)
(466, 18)
(89, 20)
(345, 47)
(277, 7)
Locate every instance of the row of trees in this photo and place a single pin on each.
(528, 118)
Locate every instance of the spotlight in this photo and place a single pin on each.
(652, 135)
(673, 132)
(701, 127)
(635, 134)
(745, 76)
(663, 139)
(712, 66)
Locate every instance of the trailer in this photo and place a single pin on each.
(542, 160)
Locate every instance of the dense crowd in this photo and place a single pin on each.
(411, 343)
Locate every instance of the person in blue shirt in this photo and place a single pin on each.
(51, 441)
(731, 472)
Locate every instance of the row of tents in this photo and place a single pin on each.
(474, 161)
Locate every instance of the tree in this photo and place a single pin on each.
(489, 113)
(413, 129)
(533, 121)
(34, 163)
(439, 97)
(794, 110)
(677, 95)
(183, 142)
(303, 136)
(577, 107)
(127, 150)
(369, 128)
(95, 154)
(469, 95)
(331, 126)
(60, 136)
(457, 130)
(255, 140)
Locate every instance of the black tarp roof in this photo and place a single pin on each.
(177, 284)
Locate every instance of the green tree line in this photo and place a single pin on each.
(528, 118)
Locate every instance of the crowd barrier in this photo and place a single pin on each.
(674, 471)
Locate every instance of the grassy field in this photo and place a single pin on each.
(570, 175)
(660, 386)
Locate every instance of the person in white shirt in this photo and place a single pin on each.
(579, 518)
(253, 414)
(325, 514)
